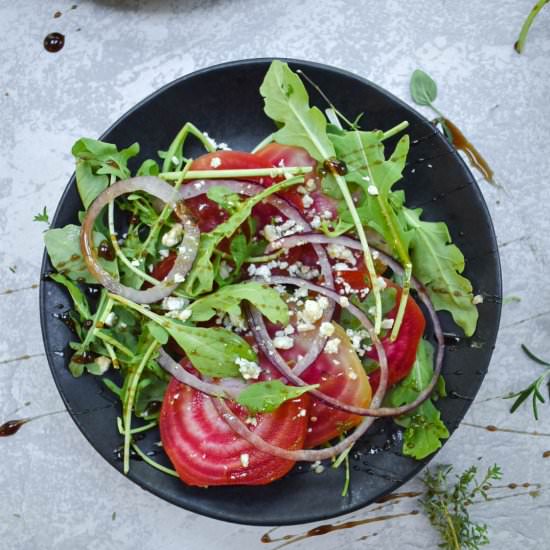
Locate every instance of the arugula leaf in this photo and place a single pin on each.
(287, 102)
(96, 160)
(424, 428)
(228, 299)
(263, 397)
(223, 196)
(201, 277)
(157, 332)
(423, 88)
(148, 167)
(42, 216)
(150, 389)
(78, 297)
(439, 264)
(63, 246)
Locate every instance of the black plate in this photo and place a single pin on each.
(224, 100)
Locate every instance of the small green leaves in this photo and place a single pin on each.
(424, 428)
(287, 102)
(534, 389)
(423, 88)
(447, 507)
(263, 397)
(228, 299)
(42, 216)
(223, 196)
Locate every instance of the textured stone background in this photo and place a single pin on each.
(56, 492)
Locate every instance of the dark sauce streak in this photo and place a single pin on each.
(397, 496)
(491, 428)
(329, 528)
(54, 42)
(474, 156)
(11, 427)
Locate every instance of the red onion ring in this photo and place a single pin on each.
(227, 391)
(281, 365)
(201, 187)
(187, 249)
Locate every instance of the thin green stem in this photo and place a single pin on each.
(403, 301)
(153, 463)
(237, 173)
(128, 405)
(251, 259)
(395, 130)
(337, 463)
(175, 151)
(112, 355)
(114, 343)
(452, 530)
(103, 309)
(520, 43)
(163, 216)
(144, 428)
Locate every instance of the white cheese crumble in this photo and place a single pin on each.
(181, 314)
(245, 460)
(326, 329)
(174, 303)
(372, 190)
(249, 369)
(332, 345)
(387, 324)
(312, 311)
(252, 420)
(316, 222)
(477, 299)
(302, 412)
(179, 278)
(216, 162)
(173, 236)
(317, 467)
(103, 363)
(344, 302)
(307, 201)
(311, 185)
(283, 342)
(135, 263)
(340, 252)
(110, 320)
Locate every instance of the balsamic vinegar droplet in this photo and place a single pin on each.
(54, 42)
(11, 427)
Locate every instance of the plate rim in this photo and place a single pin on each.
(239, 63)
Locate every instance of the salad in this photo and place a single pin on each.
(261, 308)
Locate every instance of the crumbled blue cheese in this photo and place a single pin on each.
(103, 363)
(245, 460)
(316, 222)
(283, 342)
(252, 420)
(372, 190)
(181, 314)
(135, 263)
(332, 345)
(173, 236)
(174, 303)
(110, 320)
(477, 299)
(307, 201)
(249, 369)
(340, 252)
(317, 467)
(387, 324)
(344, 302)
(179, 278)
(216, 162)
(326, 329)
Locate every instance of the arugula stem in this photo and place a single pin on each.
(337, 463)
(251, 259)
(237, 173)
(112, 355)
(153, 463)
(114, 343)
(395, 130)
(520, 43)
(402, 302)
(144, 428)
(163, 216)
(128, 405)
(176, 147)
(103, 309)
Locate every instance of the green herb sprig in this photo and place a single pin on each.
(533, 390)
(446, 505)
(42, 216)
(519, 45)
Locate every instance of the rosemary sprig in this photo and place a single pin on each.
(446, 505)
(533, 390)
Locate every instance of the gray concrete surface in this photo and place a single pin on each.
(55, 491)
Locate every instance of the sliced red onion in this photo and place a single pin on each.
(186, 251)
(259, 326)
(229, 389)
(202, 187)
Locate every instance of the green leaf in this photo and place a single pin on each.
(89, 184)
(63, 246)
(150, 390)
(201, 277)
(287, 103)
(423, 88)
(263, 397)
(78, 297)
(223, 196)
(438, 265)
(533, 357)
(157, 332)
(148, 167)
(424, 428)
(228, 300)
(42, 216)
